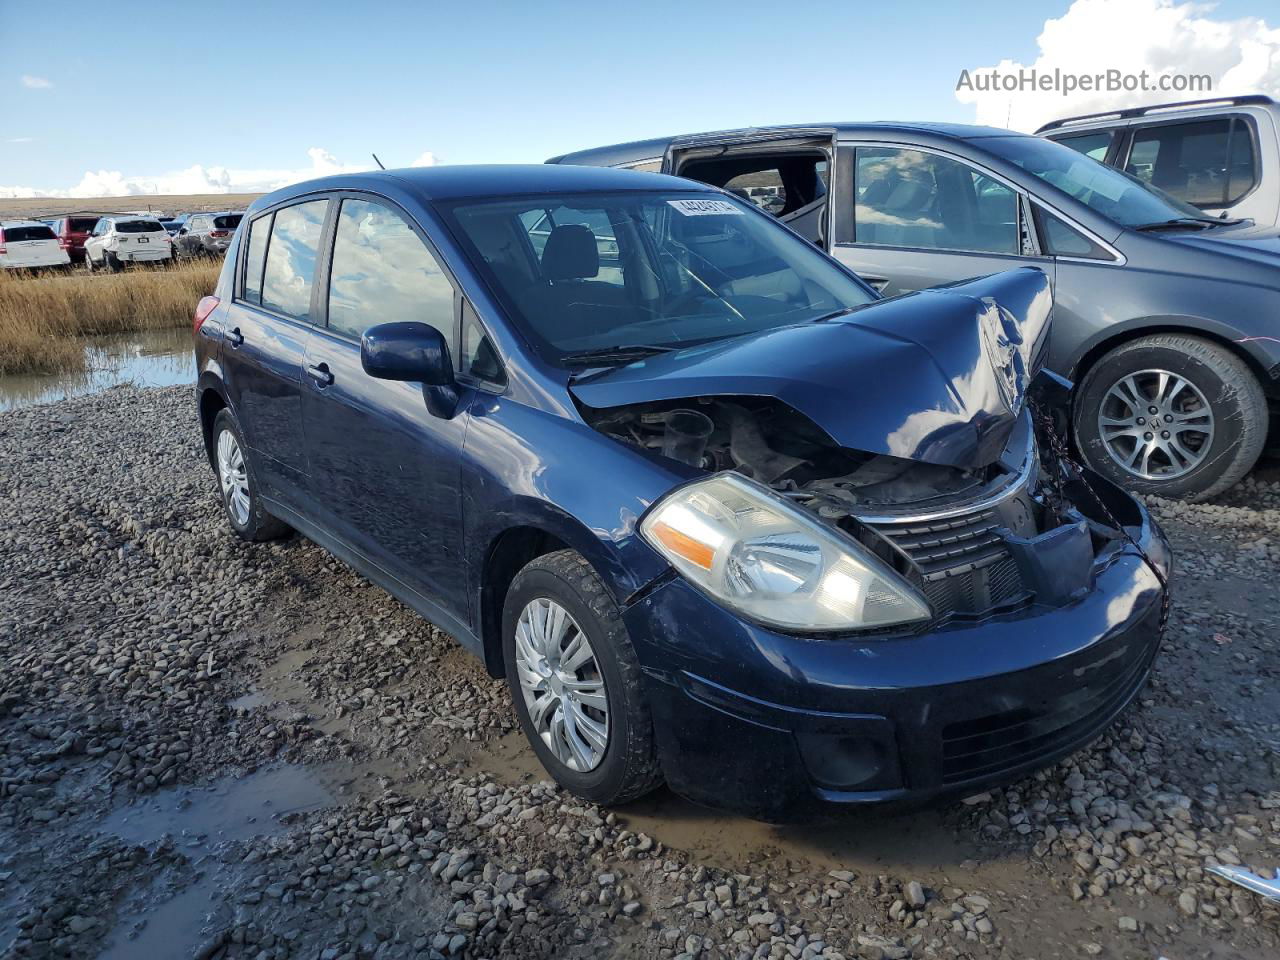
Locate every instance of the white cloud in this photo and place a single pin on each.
(35, 83)
(202, 179)
(21, 139)
(1162, 37)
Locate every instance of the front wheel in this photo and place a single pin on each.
(238, 486)
(1171, 415)
(576, 683)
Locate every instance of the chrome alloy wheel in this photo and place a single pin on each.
(233, 476)
(562, 685)
(1156, 425)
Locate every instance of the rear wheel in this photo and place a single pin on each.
(112, 262)
(1171, 415)
(237, 485)
(576, 683)
(88, 262)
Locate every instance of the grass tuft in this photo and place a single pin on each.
(44, 319)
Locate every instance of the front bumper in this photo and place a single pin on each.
(779, 726)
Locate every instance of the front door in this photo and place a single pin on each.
(384, 469)
(920, 219)
(267, 329)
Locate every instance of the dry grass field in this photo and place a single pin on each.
(45, 318)
(50, 207)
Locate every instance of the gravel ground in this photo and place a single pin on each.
(216, 749)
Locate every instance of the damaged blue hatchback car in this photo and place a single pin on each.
(721, 516)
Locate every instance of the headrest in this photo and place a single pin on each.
(570, 253)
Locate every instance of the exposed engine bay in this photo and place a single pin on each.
(973, 540)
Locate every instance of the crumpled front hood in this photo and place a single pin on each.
(938, 376)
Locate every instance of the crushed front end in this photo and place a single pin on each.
(1043, 588)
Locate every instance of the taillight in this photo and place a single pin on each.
(219, 233)
(64, 243)
(203, 309)
(3, 248)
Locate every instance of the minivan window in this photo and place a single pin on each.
(291, 258)
(1092, 145)
(383, 272)
(139, 226)
(251, 283)
(1061, 240)
(1107, 191)
(910, 198)
(695, 267)
(1206, 162)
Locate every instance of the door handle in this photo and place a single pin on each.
(236, 337)
(320, 373)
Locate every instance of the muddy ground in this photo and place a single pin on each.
(217, 749)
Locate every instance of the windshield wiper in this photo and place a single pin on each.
(1180, 223)
(624, 353)
(835, 314)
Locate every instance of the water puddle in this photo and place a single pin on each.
(233, 808)
(153, 358)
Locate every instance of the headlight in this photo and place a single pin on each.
(767, 558)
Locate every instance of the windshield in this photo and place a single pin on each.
(590, 272)
(1115, 195)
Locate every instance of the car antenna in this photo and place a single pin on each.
(378, 162)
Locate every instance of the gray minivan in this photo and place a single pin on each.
(1167, 319)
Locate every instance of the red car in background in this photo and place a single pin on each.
(72, 233)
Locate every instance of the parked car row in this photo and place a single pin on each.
(112, 240)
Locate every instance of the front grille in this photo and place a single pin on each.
(986, 746)
(961, 564)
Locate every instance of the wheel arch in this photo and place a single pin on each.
(1095, 351)
(210, 399)
(622, 566)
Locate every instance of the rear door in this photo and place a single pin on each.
(267, 330)
(384, 469)
(915, 217)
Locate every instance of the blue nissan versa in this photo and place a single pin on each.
(721, 516)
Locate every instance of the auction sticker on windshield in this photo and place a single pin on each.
(703, 208)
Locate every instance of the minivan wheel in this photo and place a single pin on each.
(237, 485)
(576, 683)
(1171, 415)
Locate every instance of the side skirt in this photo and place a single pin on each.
(421, 604)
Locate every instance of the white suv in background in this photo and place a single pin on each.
(118, 240)
(1221, 155)
(28, 244)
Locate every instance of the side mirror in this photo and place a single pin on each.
(407, 350)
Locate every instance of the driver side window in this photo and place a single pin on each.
(911, 198)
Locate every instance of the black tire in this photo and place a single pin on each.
(629, 768)
(257, 525)
(112, 262)
(88, 262)
(1233, 395)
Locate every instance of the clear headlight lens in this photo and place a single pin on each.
(759, 554)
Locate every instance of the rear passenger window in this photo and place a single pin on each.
(291, 258)
(251, 283)
(1209, 163)
(383, 272)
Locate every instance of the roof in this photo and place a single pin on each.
(496, 180)
(1180, 106)
(654, 148)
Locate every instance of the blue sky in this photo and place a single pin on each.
(150, 89)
